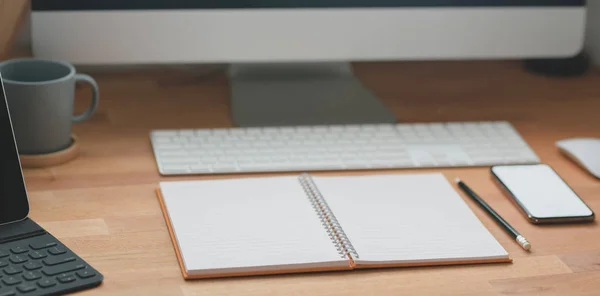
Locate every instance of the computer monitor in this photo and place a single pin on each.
(289, 59)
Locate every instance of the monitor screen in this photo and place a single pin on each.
(102, 32)
(14, 204)
(224, 4)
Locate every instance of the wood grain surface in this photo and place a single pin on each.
(103, 204)
(12, 13)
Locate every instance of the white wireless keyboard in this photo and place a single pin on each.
(339, 147)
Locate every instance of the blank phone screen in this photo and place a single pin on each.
(541, 191)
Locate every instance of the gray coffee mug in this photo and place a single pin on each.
(40, 95)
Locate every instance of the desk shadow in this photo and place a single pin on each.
(569, 224)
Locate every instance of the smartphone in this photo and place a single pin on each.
(541, 194)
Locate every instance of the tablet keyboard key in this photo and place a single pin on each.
(66, 278)
(32, 265)
(37, 255)
(43, 245)
(46, 283)
(84, 274)
(11, 270)
(8, 293)
(11, 280)
(57, 251)
(19, 250)
(63, 268)
(3, 263)
(32, 275)
(3, 253)
(58, 260)
(26, 288)
(16, 259)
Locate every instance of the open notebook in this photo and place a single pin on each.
(288, 224)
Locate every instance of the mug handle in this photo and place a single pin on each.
(95, 97)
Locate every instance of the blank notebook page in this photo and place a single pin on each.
(407, 219)
(246, 225)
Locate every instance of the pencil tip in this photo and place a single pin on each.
(457, 180)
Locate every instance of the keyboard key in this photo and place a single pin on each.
(32, 275)
(37, 255)
(46, 283)
(162, 140)
(57, 251)
(19, 250)
(173, 153)
(58, 260)
(171, 146)
(32, 265)
(3, 263)
(176, 169)
(11, 280)
(63, 268)
(66, 278)
(26, 288)
(200, 168)
(16, 259)
(165, 133)
(402, 162)
(8, 293)
(43, 245)
(225, 167)
(186, 132)
(11, 270)
(3, 253)
(86, 273)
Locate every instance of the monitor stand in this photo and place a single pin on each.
(301, 94)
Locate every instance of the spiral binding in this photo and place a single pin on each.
(328, 220)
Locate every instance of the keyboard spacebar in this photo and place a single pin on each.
(289, 166)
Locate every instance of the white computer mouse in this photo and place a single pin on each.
(583, 151)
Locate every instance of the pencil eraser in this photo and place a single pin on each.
(524, 243)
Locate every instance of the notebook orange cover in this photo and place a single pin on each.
(214, 246)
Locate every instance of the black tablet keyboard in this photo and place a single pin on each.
(42, 265)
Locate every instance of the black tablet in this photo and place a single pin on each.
(14, 204)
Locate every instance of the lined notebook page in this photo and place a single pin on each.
(246, 225)
(407, 219)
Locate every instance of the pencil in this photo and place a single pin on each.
(507, 227)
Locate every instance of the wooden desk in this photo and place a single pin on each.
(103, 204)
